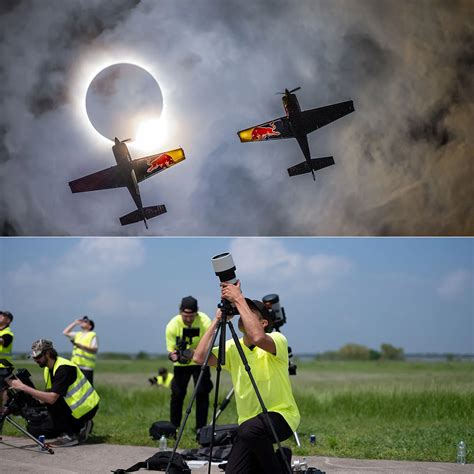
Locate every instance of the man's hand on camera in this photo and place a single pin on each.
(230, 292)
(16, 384)
(173, 356)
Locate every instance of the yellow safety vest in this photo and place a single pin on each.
(6, 351)
(81, 357)
(81, 397)
(165, 383)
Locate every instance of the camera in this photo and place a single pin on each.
(224, 268)
(184, 354)
(272, 302)
(20, 403)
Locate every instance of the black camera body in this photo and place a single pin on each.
(185, 354)
(19, 403)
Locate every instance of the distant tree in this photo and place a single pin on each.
(389, 352)
(354, 352)
(374, 355)
(142, 355)
(328, 355)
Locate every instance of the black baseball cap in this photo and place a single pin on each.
(189, 303)
(261, 308)
(7, 314)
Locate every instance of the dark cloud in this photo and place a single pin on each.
(403, 159)
(81, 26)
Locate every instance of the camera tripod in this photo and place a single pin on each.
(44, 446)
(227, 311)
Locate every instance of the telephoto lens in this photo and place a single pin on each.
(224, 268)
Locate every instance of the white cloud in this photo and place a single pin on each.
(269, 261)
(454, 284)
(80, 269)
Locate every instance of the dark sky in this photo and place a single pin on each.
(404, 159)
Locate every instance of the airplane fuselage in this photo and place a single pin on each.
(124, 162)
(293, 113)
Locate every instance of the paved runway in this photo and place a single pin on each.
(19, 455)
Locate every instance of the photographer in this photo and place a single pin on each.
(163, 379)
(84, 354)
(6, 348)
(6, 337)
(71, 400)
(180, 351)
(267, 355)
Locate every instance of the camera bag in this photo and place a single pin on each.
(159, 462)
(159, 428)
(224, 434)
(219, 453)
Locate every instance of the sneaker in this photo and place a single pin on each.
(85, 431)
(65, 440)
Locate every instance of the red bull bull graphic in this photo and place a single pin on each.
(161, 161)
(264, 133)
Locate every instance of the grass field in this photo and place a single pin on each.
(375, 410)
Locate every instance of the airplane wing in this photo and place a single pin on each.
(104, 179)
(278, 128)
(150, 165)
(317, 118)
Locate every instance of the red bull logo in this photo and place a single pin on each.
(263, 133)
(162, 162)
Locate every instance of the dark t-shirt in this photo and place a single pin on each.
(62, 379)
(7, 339)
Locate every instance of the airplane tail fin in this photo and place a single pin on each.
(316, 164)
(136, 216)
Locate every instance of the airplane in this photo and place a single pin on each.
(297, 124)
(128, 173)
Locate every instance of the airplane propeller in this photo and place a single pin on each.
(292, 90)
(117, 141)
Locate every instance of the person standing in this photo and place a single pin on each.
(84, 353)
(6, 338)
(6, 348)
(180, 351)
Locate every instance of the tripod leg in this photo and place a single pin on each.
(225, 402)
(220, 362)
(193, 397)
(257, 393)
(45, 446)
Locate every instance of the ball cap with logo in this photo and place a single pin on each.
(39, 346)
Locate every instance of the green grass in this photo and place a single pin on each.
(375, 410)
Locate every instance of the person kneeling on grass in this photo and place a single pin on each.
(71, 400)
(267, 356)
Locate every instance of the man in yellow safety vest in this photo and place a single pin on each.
(6, 338)
(85, 343)
(6, 349)
(71, 400)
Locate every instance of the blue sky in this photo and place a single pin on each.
(416, 293)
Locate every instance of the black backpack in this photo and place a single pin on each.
(159, 462)
(224, 435)
(159, 428)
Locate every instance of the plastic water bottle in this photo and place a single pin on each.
(163, 443)
(41, 439)
(312, 440)
(461, 457)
